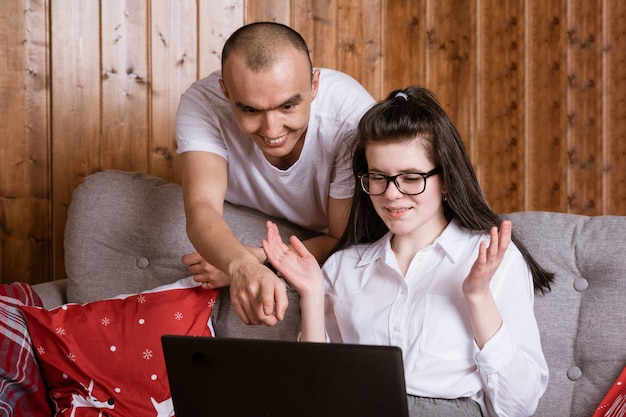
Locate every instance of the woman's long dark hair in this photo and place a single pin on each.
(405, 115)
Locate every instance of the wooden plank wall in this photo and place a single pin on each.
(537, 89)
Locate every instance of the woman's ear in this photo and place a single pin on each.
(444, 191)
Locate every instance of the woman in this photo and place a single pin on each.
(423, 266)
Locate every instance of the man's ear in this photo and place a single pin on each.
(223, 87)
(315, 83)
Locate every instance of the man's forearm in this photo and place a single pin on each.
(215, 241)
(320, 246)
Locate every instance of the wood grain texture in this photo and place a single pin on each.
(25, 220)
(537, 90)
(584, 106)
(317, 22)
(217, 19)
(268, 11)
(499, 139)
(125, 122)
(546, 140)
(451, 62)
(75, 108)
(614, 105)
(359, 43)
(173, 67)
(404, 45)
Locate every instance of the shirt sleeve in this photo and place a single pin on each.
(198, 126)
(511, 365)
(342, 181)
(341, 102)
(329, 269)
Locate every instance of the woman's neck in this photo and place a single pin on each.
(405, 247)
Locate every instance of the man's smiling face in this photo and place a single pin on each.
(272, 106)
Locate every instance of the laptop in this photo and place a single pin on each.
(221, 377)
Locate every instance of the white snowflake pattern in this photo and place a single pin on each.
(41, 350)
(178, 316)
(211, 303)
(106, 321)
(147, 354)
(60, 331)
(141, 298)
(71, 357)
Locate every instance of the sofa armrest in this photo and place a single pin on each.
(52, 293)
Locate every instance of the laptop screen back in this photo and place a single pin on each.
(220, 377)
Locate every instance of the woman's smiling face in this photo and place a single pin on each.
(413, 216)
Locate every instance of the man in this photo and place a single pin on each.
(272, 133)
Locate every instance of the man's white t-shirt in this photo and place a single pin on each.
(205, 122)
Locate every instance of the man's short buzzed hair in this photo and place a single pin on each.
(260, 41)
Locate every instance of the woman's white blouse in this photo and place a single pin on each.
(368, 301)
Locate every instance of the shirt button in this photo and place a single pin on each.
(396, 328)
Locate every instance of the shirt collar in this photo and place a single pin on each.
(452, 241)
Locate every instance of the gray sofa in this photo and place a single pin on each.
(125, 233)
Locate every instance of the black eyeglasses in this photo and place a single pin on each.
(410, 183)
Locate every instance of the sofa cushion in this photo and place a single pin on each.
(126, 233)
(108, 355)
(579, 317)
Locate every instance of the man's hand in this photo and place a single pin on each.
(204, 272)
(258, 295)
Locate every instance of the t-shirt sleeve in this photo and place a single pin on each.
(197, 122)
(356, 101)
(342, 181)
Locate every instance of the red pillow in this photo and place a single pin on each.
(107, 355)
(614, 402)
